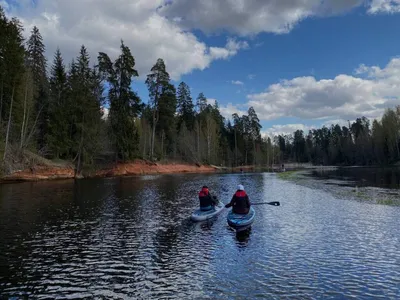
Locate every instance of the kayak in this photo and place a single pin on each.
(239, 221)
(201, 215)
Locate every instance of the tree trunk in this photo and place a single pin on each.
(153, 136)
(155, 119)
(273, 157)
(208, 139)
(79, 162)
(198, 140)
(145, 139)
(208, 147)
(236, 163)
(254, 151)
(23, 118)
(162, 144)
(9, 122)
(26, 141)
(1, 101)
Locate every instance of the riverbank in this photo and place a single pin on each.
(137, 167)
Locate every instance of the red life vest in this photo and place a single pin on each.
(203, 192)
(240, 194)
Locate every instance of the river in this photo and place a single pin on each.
(132, 238)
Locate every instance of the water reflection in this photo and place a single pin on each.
(243, 237)
(132, 237)
(363, 176)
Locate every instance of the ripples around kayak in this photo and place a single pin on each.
(132, 238)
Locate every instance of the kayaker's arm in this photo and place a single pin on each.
(230, 203)
(248, 201)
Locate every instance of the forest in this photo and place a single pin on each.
(56, 110)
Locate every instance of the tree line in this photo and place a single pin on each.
(359, 143)
(57, 111)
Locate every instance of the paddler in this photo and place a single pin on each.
(207, 201)
(240, 201)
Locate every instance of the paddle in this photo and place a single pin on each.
(275, 203)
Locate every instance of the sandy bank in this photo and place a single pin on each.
(138, 167)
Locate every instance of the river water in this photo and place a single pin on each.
(132, 238)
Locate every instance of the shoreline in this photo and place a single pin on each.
(137, 167)
(48, 171)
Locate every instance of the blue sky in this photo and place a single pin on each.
(301, 65)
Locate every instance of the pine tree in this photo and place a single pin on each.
(156, 82)
(124, 103)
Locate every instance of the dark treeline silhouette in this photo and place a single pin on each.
(56, 111)
(358, 144)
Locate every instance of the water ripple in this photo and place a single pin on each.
(131, 238)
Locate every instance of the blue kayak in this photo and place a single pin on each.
(239, 221)
(200, 215)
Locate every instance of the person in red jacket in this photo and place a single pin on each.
(207, 201)
(240, 201)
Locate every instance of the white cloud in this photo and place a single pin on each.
(211, 101)
(237, 82)
(344, 97)
(231, 49)
(159, 28)
(384, 6)
(285, 129)
(340, 122)
(101, 24)
(251, 76)
(228, 110)
(4, 4)
(250, 17)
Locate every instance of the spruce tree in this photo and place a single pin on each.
(185, 106)
(13, 64)
(124, 103)
(59, 110)
(37, 63)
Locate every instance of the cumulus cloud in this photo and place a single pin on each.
(251, 76)
(250, 17)
(286, 129)
(228, 110)
(161, 28)
(237, 82)
(384, 6)
(344, 97)
(101, 24)
(340, 122)
(211, 101)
